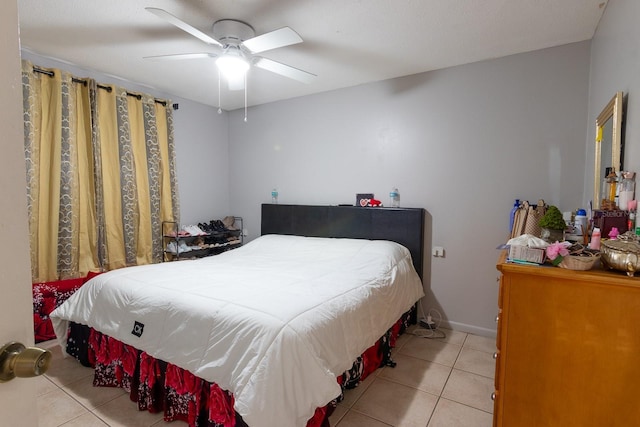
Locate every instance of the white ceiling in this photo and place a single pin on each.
(346, 42)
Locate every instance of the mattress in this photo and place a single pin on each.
(266, 321)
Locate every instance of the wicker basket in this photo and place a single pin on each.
(585, 262)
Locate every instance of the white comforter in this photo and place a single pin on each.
(275, 322)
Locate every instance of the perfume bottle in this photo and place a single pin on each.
(609, 190)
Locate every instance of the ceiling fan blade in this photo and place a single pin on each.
(272, 40)
(180, 56)
(163, 14)
(283, 70)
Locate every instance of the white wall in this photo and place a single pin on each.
(461, 142)
(201, 137)
(615, 66)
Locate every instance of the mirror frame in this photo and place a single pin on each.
(613, 110)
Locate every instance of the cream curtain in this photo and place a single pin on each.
(60, 197)
(100, 174)
(138, 175)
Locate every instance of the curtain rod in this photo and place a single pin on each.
(107, 88)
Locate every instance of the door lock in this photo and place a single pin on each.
(16, 360)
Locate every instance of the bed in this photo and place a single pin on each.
(263, 335)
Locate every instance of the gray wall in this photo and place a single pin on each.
(201, 140)
(461, 142)
(615, 66)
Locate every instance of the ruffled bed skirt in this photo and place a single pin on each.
(159, 386)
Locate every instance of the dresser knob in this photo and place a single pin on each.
(493, 396)
(495, 355)
(497, 318)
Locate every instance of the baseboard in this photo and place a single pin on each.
(471, 329)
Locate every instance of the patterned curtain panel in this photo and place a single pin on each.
(138, 175)
(56, 124)
(100, 173)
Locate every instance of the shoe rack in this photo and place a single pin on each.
(214, 239)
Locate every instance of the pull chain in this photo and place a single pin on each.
(219, 96)
(245, 97)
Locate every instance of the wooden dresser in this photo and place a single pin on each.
(568, 348)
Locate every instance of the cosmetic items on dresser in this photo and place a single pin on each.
(580, 222)
(627, 190)
(631, 222)
(595, 239)
(605, 220)
(609, 190)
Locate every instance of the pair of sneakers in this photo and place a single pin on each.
(193, 230)
(181, 247)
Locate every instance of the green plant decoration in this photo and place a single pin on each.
(552, 219)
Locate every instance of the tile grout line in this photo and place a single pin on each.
(447, 380)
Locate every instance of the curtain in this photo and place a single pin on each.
(56, 118)
(138, 175)
(101, 178)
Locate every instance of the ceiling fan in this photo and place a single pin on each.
(237, 47)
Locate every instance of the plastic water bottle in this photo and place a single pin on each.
(274, 196)
(516, 205)
(394, 198)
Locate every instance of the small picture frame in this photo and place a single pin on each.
(363, 199)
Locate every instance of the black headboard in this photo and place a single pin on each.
(401, 225)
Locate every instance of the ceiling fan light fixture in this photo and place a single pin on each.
(231, 66)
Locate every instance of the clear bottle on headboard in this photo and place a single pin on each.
(394, 198)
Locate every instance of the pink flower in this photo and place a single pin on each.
(556, 251)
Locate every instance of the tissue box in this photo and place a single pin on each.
(527, 254)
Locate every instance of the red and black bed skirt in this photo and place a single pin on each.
(158, 386)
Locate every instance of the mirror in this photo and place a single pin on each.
(608, 144)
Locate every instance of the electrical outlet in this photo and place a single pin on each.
(438, 251)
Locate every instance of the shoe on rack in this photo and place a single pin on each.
(194, 230)
(172, 247)
(229, 222)
(183, 247)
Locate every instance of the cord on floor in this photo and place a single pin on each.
(432, 331)
(429, 333)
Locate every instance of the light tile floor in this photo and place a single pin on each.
(436, 383)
